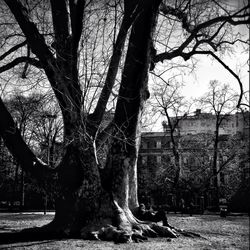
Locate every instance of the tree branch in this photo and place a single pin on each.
(76, 16)
(181, 15)
(13, 49)
(61, 24)
(66, 57)
(19, 60)
(235, 19)
(35, 40)
(26, 64)
(131, 12)
(232, 73)
(64, 92)
(18, 148)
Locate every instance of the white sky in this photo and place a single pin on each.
(207, 69)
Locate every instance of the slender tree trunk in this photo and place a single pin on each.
(15, 186)
(22, 189)
(215, 172)
(175, 151)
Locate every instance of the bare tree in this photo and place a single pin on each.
(221, 101)
(172, 104)
(196, 31)
(24, 110)
(89, 198)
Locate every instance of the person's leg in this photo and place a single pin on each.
(161, 216)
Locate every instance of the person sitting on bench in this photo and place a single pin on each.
(147, 215)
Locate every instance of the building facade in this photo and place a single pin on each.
(194, 140)
(205, 123)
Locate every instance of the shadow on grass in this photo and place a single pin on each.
(34, 243)
(29, 236)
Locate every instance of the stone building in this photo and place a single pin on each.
(205, 123)
(194, 137)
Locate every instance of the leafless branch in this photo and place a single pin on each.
(13, 49)
(23, 59)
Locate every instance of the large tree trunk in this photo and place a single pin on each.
(86, 201)
(132, 96)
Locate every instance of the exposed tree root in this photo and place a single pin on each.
(125, 228)
(138, 233)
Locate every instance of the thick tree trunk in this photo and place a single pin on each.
(83, 205)
(79, 185)
(86, 202)
(132, 95)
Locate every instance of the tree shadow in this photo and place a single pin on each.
(27, 244)
(29, 236)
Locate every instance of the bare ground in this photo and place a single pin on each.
(220, 233)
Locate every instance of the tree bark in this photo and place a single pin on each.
(132, 96)
(81, 186)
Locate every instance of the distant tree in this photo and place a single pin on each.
(23, 109)
(221, 100)
(48, 131)
(173, 106)
(197, 175)
(7, 175)
(32, 115)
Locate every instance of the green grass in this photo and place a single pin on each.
(230, 233)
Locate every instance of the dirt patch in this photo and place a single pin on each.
(229, 233)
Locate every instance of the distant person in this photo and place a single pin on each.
(202, 204)
(191, 207)
(154, 216)
(182, 205)
(174, 203)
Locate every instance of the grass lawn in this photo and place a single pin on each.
(220, 233)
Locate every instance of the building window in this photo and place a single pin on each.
(185, 161)
(144, 160)
(144, 145)
(158, 159)
(158, 144)
(246, 172)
